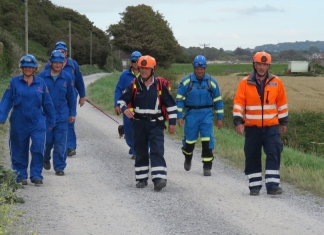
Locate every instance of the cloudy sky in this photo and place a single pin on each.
(219, 23)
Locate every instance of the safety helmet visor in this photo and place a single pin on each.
(28, 61)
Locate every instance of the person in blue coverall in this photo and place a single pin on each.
(124, 80)
(198, 94)
(72, 67)
(62, 91)
(32, 111)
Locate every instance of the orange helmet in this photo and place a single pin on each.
(146, 61)
(262, 57)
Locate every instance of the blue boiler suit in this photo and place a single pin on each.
(124, 80)
(62, 92)
(73, 68)
(198, 103)
(148, 124)
(32, 111)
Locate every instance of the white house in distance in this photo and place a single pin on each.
(298, 67)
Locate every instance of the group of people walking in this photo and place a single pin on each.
(260, 113)
(43, 111)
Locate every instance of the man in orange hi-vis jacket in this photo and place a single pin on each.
(261, 111)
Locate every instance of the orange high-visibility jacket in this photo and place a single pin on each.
(252, 111)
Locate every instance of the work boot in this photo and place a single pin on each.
(59, 172)
(207, 166)
(255, 192)
(71, 152)
(187, 164)
(22, 181)
(207, 172)
(133, 156)
(37, 182)
(159, 185)
(274, 190)
(47, 165)
(141, 184)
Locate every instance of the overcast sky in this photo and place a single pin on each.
(219, 23)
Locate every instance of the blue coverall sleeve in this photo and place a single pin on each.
(79, 82)
(218, 102)
(119, 89)
(181, 96)
(6, 102)
(126, 98)
(48, 107)
(71, 101)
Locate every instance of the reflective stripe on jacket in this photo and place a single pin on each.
(255, 111)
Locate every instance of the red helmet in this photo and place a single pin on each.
(146, 61)
(262, 57)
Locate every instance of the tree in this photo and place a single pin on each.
(144, 30)
(313, 49)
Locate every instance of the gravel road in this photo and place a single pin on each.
(98, 196)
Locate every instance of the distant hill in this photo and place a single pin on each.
(297, 46)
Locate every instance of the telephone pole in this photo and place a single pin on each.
(204, 45)
(26, 26)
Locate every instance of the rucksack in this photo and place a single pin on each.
(159, 86)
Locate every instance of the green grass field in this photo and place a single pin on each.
(225, 69)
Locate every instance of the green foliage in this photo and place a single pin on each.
(8, 186)
(144, 30)
(47, 24)
(304, 134)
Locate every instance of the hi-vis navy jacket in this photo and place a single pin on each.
(146, 103)
(254, 109)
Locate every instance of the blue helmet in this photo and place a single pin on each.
(200, 61)
(57, 56)
(135, 56)
(28, 61)
(61, 45)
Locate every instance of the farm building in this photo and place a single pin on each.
(298, 67)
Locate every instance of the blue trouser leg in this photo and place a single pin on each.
(49, 144)
(272, 147)
(156, 140)
(151, 133)
(37, 149)
(19, 150)
(72, 141)
(142, 158)
(56, 139)
(59, 150)
(129, 134)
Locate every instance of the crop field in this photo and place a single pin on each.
(303, 93)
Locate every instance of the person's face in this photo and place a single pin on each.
(261, 68)
(57, 66)
(145, 72)
(28, 71)
(200, 72)
(134, 64)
